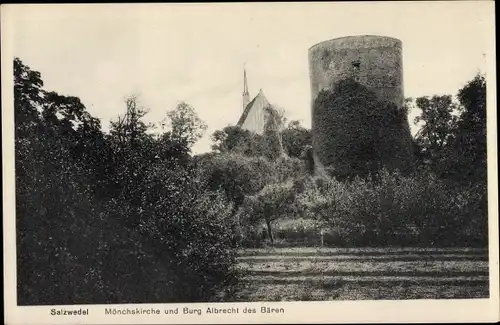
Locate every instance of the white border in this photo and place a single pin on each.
(467, 310)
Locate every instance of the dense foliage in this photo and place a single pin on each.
(396, 210)
(357, 134)
(277, 140)
(113, 218)
(452, 138)
(368, 201)
(130, 215)
(295, 139)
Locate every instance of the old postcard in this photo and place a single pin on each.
(250, 163)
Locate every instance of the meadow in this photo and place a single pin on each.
(317, 274)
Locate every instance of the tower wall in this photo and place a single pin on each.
(379, 59)
(374, 62)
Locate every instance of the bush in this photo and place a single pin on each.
(238, 176)
(275, 201)
(396, 210)
(235, 175)
(69, 250)
(193, 229)
(76, 249)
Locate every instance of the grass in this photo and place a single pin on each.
(315, 274)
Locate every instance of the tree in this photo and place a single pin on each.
(133, 151)
(28, 98)
(185, 124)
(295, 139)
(470, 145)
(272, 133)
(81, 135)
(437, 131)
(236, 175)
(228, 138)
(129, 128)
(275, 200)
(307, 156)
(81, 197)
(190, 228)
(453, 135)
(234, 139)
(54, 192)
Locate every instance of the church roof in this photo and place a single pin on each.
(248, 108)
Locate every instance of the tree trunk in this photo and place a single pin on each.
(270, 231)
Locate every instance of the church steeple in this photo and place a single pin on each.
(246, 95)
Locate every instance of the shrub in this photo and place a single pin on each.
(238, 176)
(69, 250)
(396, 210)
(76, 249)
(295, 139)
(192, 229)
(276, 200)
(235, 175)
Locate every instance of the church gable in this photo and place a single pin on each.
(246, 110)
(254, 115)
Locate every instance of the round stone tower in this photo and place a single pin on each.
(374, 62)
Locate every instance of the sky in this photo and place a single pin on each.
(168, 53)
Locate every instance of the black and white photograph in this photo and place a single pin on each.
(227, 160)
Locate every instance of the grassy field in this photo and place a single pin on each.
(304, 274)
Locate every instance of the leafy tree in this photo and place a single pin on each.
(193, 226)
(28, 98)
(418, 209)
(236, 175)
(453, 135)
(54, 203)
(180, 130)
(185, 124)
(102, 217)
(307, 156)
(133, 151)
(295, 139)
(129, 128)
(275, 200)
(470, 147)
(272, 133)
(234, 139)
(228, 138)
(437, 131)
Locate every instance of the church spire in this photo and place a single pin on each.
(246, 95)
